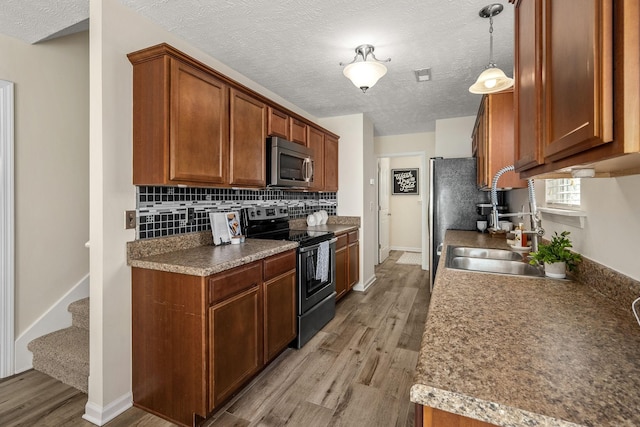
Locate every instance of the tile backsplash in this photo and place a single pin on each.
(167, 211)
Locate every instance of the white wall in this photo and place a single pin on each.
(408, 143)
(51, 169)
(405, 232)
(356, 196)
(612, 226)
(115, 31)
(453, 136)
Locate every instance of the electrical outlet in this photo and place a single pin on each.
(191, 216)
(129, 219)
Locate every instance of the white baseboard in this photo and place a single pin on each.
(100, 415)
(405, 249)
(56, 318)
(361, 287)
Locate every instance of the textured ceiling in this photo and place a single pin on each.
(294, 47)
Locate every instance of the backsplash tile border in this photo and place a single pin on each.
(165, 211)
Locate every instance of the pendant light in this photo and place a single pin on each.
(492, 79)
(364, 74)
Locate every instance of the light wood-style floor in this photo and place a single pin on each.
(357, 371)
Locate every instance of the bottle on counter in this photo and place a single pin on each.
(521, 237)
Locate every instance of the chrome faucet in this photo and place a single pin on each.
(536, 222)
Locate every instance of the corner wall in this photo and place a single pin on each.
(51, 172)
(115, 31)
(356, 196)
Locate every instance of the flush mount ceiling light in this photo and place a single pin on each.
(492, 79)
(364, 74)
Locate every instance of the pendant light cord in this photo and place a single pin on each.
(491, 63)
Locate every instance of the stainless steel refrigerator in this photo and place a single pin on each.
(453, 196)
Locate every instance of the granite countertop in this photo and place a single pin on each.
(335, 224)
(195, 254)
(192, 255)
(515, 351)
(335, 228)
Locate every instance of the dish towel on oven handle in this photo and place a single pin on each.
(322, 264)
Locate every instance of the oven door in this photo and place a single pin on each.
(312, 290)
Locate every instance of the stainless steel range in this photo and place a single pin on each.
(316, 290)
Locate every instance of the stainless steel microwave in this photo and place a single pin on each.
(289, 165)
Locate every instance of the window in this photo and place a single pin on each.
(564, 193)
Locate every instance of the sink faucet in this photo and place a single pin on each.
(536, 222)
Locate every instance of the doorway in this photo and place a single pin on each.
(7, 289)
(402, 217)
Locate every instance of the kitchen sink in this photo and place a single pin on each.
(490, 261)
(462, 251)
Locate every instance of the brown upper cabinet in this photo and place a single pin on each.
(180, 123)
(248, 140)
(572, 59)
(298, 131)
(330, 163)
(194, 126)
(315, 141)
(325, 154)
(493, 140)
(278, 124)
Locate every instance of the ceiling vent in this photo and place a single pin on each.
(423, 74)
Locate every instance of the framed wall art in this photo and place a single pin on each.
(405, 181)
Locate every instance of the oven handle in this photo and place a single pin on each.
(310, 248)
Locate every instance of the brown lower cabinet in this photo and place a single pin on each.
(342, 267)
(197, 340)
(354, 258)
(347, 262)
(427, 416)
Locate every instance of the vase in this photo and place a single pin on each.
(556, 270)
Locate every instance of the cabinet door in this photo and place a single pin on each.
(354, 264)
(235, 340)
(248, 140)
(315, 139)
(331, 163)
(298, 131)
(354, 258)
(199, 116)
(480, 141)
(342, 272)
(279, 314)
(528, 84)
(278, 123)
(577, 67)
(499, 149)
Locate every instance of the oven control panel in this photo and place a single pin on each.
(258, 213)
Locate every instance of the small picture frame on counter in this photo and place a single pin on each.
(225, 226)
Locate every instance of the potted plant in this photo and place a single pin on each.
(556, 256)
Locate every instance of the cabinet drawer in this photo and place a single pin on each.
(279, 264)
(342, 241)
(353, 236)
(224, 285)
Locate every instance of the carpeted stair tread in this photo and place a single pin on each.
(80, 313)
(64, 355)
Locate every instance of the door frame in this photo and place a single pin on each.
(424, 165)
(7, 234)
